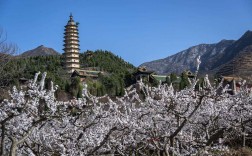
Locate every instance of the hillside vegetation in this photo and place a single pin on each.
(106, 60)
(111, 83)
(118, 72)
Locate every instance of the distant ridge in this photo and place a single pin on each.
(237, 60)
(185, 60)
(226, 58)
(39, 51)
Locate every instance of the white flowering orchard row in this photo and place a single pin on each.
(163, 122)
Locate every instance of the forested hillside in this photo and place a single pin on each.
(26, 68)
(106, 60)
(116, 67)
(118, 72)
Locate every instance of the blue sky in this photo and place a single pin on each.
(137, 30)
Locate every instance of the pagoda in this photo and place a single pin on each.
(71, 46)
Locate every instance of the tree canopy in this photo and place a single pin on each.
(116, 67)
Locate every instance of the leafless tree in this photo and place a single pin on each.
(7, 50)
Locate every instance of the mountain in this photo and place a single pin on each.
(227, 57)
(235, 49)
(237, 60)
(39, 51)
(185, 60)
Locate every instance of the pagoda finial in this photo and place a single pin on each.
(71, 16)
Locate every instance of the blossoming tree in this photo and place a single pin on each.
(156, 120)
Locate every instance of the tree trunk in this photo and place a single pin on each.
(167, 150)
(172, 145)
(2, 140)
(13, 147)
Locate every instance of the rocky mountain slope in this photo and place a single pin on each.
(217, 58)
(39, 51)
(185, 60)
(240, 65)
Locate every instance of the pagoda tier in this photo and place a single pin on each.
(74, 45)
(68, 32)
(72, 61)
(75, 39)
(70, 52)
(71, 36)
(73, 66)
(70, 49)
(71, 56)
(71, 46)
(72, 42)
(71, 24)
(71, 29)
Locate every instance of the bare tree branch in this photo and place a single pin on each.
(7, 50)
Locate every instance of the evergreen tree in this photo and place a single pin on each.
(173, 77)
(75, 86)
(184, 81)
(168, 80)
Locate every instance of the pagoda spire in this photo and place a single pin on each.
(71, 16)
(71, 46)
